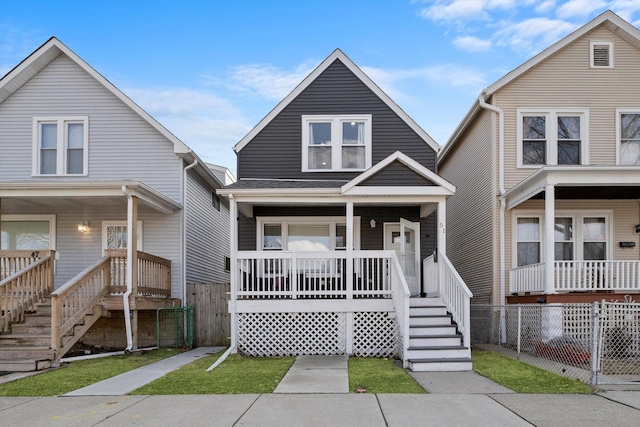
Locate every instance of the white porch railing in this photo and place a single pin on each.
(623, 276)
(444, 278)
(297, 275)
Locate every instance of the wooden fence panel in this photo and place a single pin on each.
(212, 322)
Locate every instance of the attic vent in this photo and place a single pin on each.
(601, 55)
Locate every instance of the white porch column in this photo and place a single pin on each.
(549, 238)
(132, 263)
(441, 241)
(349, 277)
(233, 249)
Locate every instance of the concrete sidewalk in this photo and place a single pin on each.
(324, 410)
(127, 382)
(316, 374)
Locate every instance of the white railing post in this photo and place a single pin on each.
(349, 242)
(549, 238)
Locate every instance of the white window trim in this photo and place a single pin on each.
(336, 140)
(619, 112)
(551, 129)
(105, 224)
(50, 218)
(61, 163)
(284, 221)
(592, 43)
(577, 217)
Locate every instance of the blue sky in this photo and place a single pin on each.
(211, 70)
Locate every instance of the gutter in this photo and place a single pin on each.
(184, 231)
(503, 202)
(125, 296)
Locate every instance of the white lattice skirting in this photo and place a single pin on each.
(373, 334)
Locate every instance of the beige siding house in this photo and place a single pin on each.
(547, 169)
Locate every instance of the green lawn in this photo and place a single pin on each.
(523, 378)
(380, 376)
(81, 373)
(235, 375)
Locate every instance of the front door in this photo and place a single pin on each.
(407, 248)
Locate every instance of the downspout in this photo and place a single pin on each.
(184, 232)
(503, 203)
(125, 296)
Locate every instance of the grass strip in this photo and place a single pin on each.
(522, 377)
(236, 375)
(380, 376)
(80, 374)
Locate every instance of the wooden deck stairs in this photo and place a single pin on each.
(27, 347)
(434, 341)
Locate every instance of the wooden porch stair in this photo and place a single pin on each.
(434, 341)
(28, 346)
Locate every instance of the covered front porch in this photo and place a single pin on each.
(575, 235)
(76, 250)
(330, 267)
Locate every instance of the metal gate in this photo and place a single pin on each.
(174, 327)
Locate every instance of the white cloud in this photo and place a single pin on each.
(179, 101)
(580, 8)
(545, 6)
(463, 10)
(268, 81)
(626, 9)
(532, 35)
(472, 44)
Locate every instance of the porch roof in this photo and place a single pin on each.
(88, 191)
(578, 182)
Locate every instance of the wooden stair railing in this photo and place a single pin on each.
(76, 306)
(28, 280)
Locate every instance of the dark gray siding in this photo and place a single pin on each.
(370, 238)
(397, 174)
(336, 91)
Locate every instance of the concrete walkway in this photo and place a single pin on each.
(456, 398)
(316, 374)
(127, 382)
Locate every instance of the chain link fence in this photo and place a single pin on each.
(174, 327)
(596, 343)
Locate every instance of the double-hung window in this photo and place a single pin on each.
(628, 130)
(60, 146)
(552, 137)
(336, 143)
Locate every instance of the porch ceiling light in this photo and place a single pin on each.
(83, 227)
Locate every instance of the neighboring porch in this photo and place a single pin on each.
(575, 235)
(39, 325)
(72, 255)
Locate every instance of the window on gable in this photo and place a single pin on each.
(552, 137)
(60, 146)
(336, 143)
(601, 54)
(629, 138)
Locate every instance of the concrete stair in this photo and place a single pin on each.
(434, 341)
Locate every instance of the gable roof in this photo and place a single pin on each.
(340, 56)
(51, 50)
(608, 19)
(350, 187)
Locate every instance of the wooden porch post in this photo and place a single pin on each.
(549, 238)
(233, 276)
(132, 263)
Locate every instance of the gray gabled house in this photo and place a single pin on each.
(335, 219)
(101, 206)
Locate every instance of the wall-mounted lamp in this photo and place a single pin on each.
(83, 226)
(638, 228)
(372, 223)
